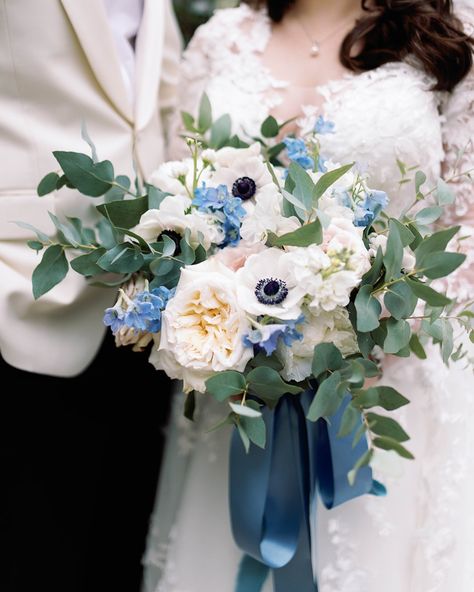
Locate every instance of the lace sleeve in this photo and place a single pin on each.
(458, 133)
(194, 74)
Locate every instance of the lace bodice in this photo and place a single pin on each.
(380, 116)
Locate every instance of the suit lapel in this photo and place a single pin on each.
(149, 54)
(89, 20)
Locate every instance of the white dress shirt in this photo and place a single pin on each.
(125, 17)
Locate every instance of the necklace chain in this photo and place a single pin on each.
(316, 43)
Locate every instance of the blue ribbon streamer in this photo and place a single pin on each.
(272, 492)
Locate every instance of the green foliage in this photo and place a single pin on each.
(368, 309)
(126, 213)
(308, 234)
(227, 384)
(123, 258)
(328, 397)
(326, 358)
(48, 184)
(90, 178)
(270, 127)
(51, 271)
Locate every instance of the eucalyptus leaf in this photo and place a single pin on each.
(368, 309)
(390, 444)
(266, 382)
(87, 264)
(328, 179)
(444, 194)
(394, 253)
(417, 348)
(398, 335)
(125, 213)
(326, 358)
(427, 294)
(92, 179)
(386, 426)
(51, 271)
(363, 461)
(121, 259)
(244, 410)
(270, 127)
(255, 429)
(434, 243)
(327, 398)
(226, 384)
(439, 265)
(400, 300)
(309, 234)
(220, 132)
(43, 237)
(205, 114)
(35, 245)
(429, 215)
(350, 420)
(48, 184)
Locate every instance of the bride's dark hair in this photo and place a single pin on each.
(392, 29)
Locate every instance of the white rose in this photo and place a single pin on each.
(323, 327)
(266, 286)
(235, 257)
(203, 327)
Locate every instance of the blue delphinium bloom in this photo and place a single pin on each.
(143, 313)
(210, 198)
(321, 165)
(226, 208)
(268, 336)
(367, 210)
(114, 318)
(323, 126)
(298, 152)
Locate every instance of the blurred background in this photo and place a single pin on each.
(192, 13)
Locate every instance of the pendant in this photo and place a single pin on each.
(314, 49)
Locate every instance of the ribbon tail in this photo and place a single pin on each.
(252, 575)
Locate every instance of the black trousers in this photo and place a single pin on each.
(79, 466)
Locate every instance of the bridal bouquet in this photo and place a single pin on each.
(254, 279)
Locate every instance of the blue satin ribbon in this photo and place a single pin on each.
(272, 492)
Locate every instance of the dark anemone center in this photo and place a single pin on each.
(271, 291)
(271, 288)
(244, 187)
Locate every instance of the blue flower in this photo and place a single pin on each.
(114, 318)
(323, 126)
(367, 211)
(210, 198)
(321, 165)
(143, 313)
(298, 152)
(226, 208)
(267, 337)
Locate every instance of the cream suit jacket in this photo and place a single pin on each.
(59, 66)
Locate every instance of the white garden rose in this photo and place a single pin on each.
(267, 286)
(203, 327)
(322, 327)
(172, 216)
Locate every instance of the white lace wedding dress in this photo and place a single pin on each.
(420, 538)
